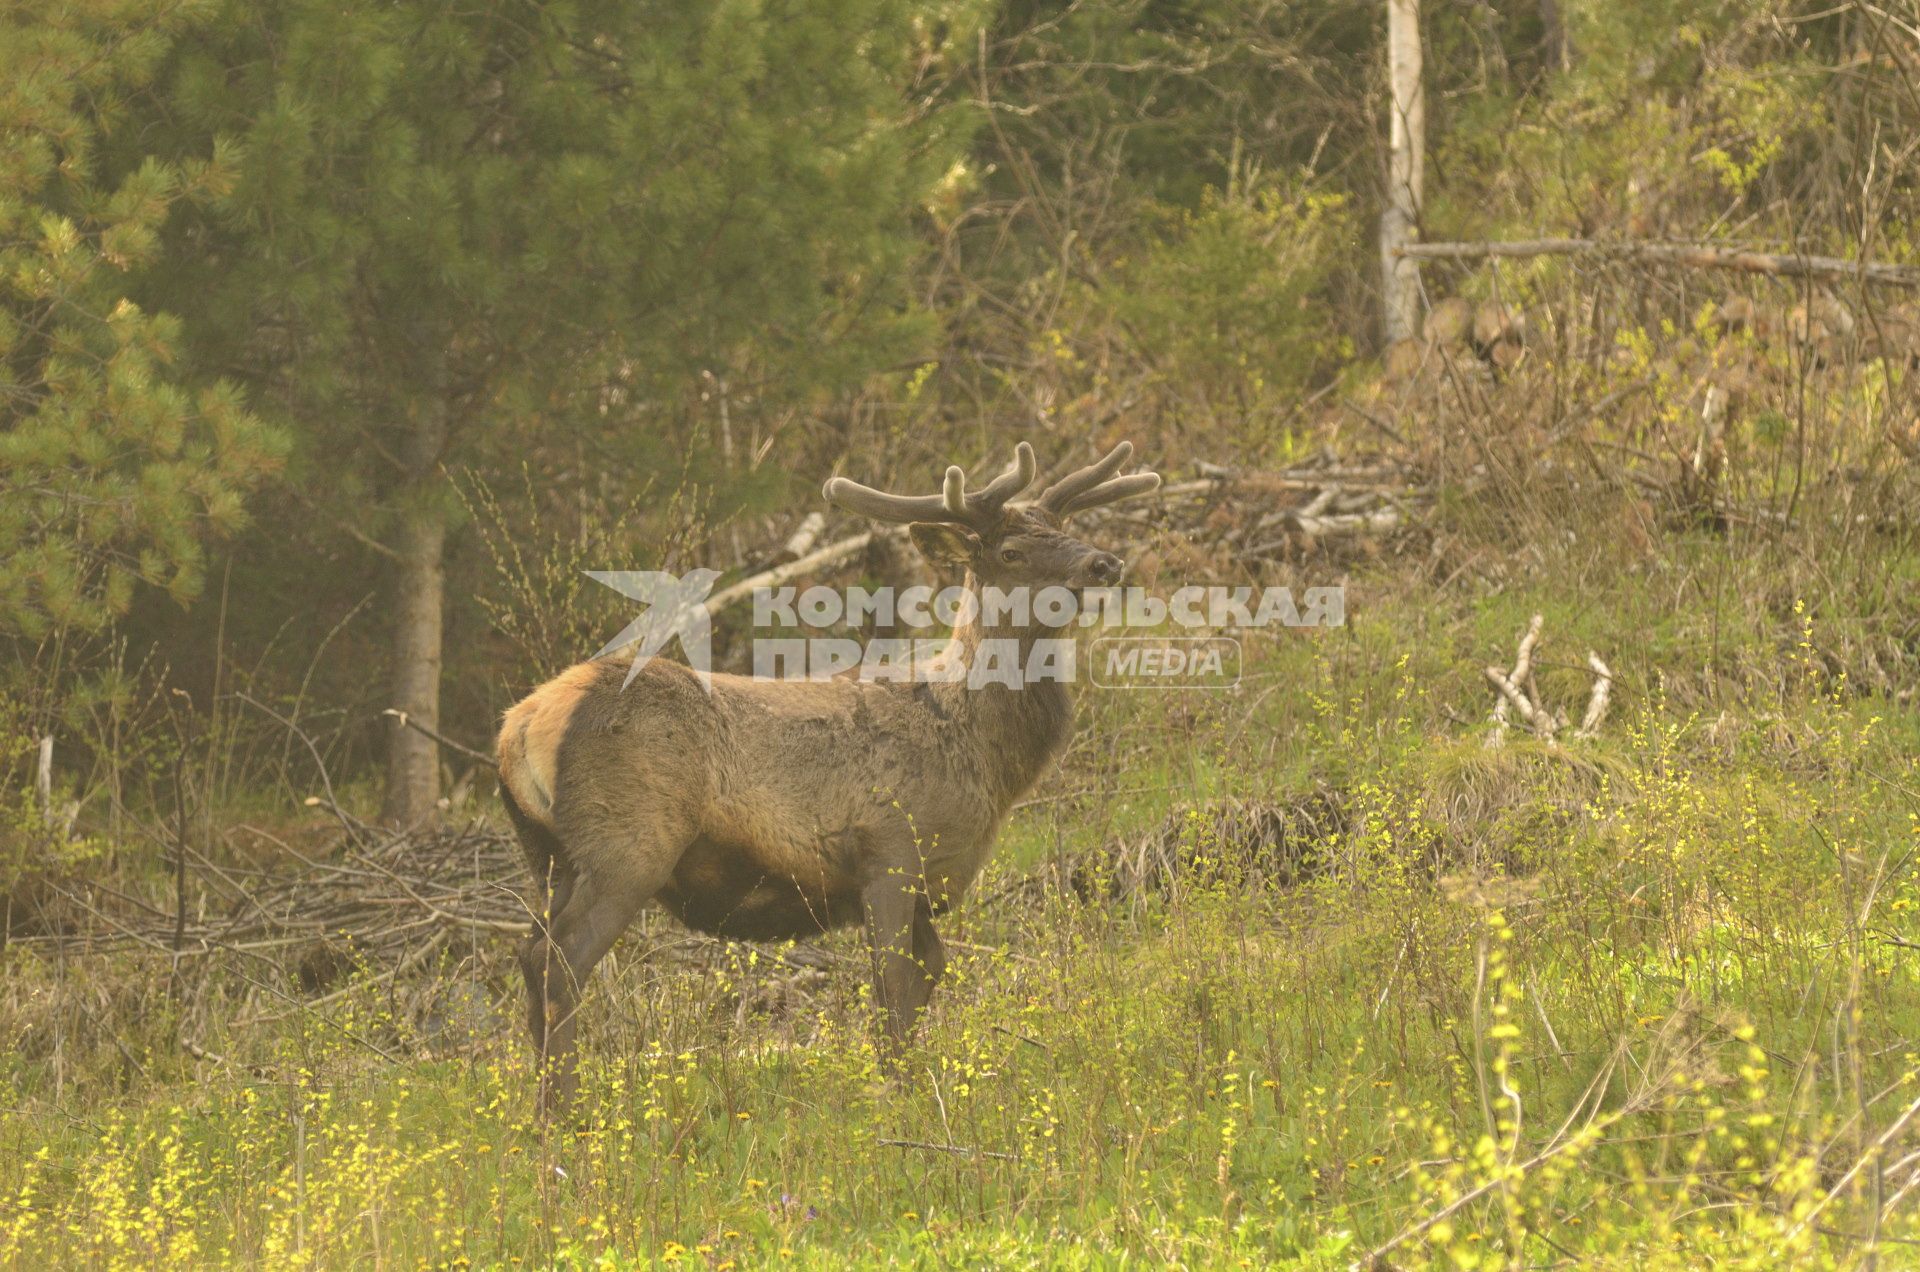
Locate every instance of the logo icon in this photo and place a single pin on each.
(676, 607)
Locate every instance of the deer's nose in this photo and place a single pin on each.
(1106, 567)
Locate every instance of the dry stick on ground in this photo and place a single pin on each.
(1776, 264)
(801, 541)
(199, 1052)
(960, 1149)
(1509, 694)
(1378, 521)
(1602, 696)
(1516, 694)
(1533, 715)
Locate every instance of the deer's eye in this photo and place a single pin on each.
(1012, 556)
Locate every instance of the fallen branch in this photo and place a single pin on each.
(1521, 673)
(1602, 694)
(1379, 521)
(1515, 694)
(801, 541)
(1778, 265)
(1318, 504)
(199, 1052)
(823, 558)
(1534, 716)
(408, 721)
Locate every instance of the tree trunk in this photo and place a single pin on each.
(1554, 44)
(1406, 160)
(413, 759)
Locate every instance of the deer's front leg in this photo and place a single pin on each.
(907, 955)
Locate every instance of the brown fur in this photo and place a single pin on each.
(530, 737)
(775, 809)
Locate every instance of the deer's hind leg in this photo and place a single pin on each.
(604, 898)
(553, 880)
(537, 958)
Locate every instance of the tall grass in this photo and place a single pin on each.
(1645, 1001)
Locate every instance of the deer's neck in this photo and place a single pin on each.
(1017, 729)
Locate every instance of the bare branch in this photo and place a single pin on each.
(1602, 695)
(408, 721)
(1537, 718)
(1778, 265)
(820, 559)
(1522, 672)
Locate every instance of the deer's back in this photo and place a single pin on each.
(771, 795)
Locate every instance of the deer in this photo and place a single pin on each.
(776, 810)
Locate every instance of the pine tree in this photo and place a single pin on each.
(115, 467)
(456, 229)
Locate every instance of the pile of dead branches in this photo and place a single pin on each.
(1250, 514)
(1276, 515)
(371, 909)
(392, 898)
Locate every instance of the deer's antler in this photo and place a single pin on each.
(955, 504)
(1096, 484)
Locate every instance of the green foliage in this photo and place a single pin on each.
(620, 246)
(1223, 296)
(1105, 241)
(545, 217)
(117, 464)
(1672, 118)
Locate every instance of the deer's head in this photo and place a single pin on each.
(1004, 544)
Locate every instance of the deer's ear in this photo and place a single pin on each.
(944, 544)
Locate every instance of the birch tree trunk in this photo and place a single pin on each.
(1406, 159)
(413, 759)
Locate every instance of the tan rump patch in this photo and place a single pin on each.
(530, 737)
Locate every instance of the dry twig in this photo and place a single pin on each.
(1516, 695)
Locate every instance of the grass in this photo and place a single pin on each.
(1645, 1001)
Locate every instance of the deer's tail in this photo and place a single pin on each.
(529, 758)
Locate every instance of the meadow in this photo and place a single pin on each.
(341, 340)
(1301, 974)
